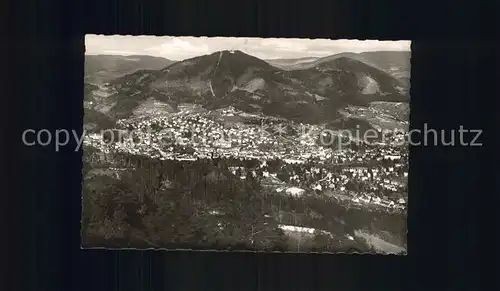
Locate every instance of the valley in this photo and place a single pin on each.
(228, 151)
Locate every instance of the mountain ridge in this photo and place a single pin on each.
(397, 63)
(103, 68)
(234, 78)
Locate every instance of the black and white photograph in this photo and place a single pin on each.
(245, 144)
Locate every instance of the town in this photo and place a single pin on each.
(232, 149)
(370, 175)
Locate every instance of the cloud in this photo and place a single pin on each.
(118, 52)
(285, 45)
(179, 48)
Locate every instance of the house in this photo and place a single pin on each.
(295, 191)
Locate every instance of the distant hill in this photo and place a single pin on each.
(88, 89)
(352, 81)
(226, 78)
(388, 61)
(95, 120)
(104, 68)
(287, 63)
(396, 63)
(233, 78)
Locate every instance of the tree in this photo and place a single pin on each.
(251, 180)
(301, 240)
(321, 241)
(352, 186)
(284, 175)
(238, 172)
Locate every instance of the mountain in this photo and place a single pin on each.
(352, 81)
(103, 68)
(234, 125)
(396, 63)
(247, 83)
(88, 89)
(388, 61)
(225, 78)
(287, 63)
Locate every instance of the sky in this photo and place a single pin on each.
(180, 48)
